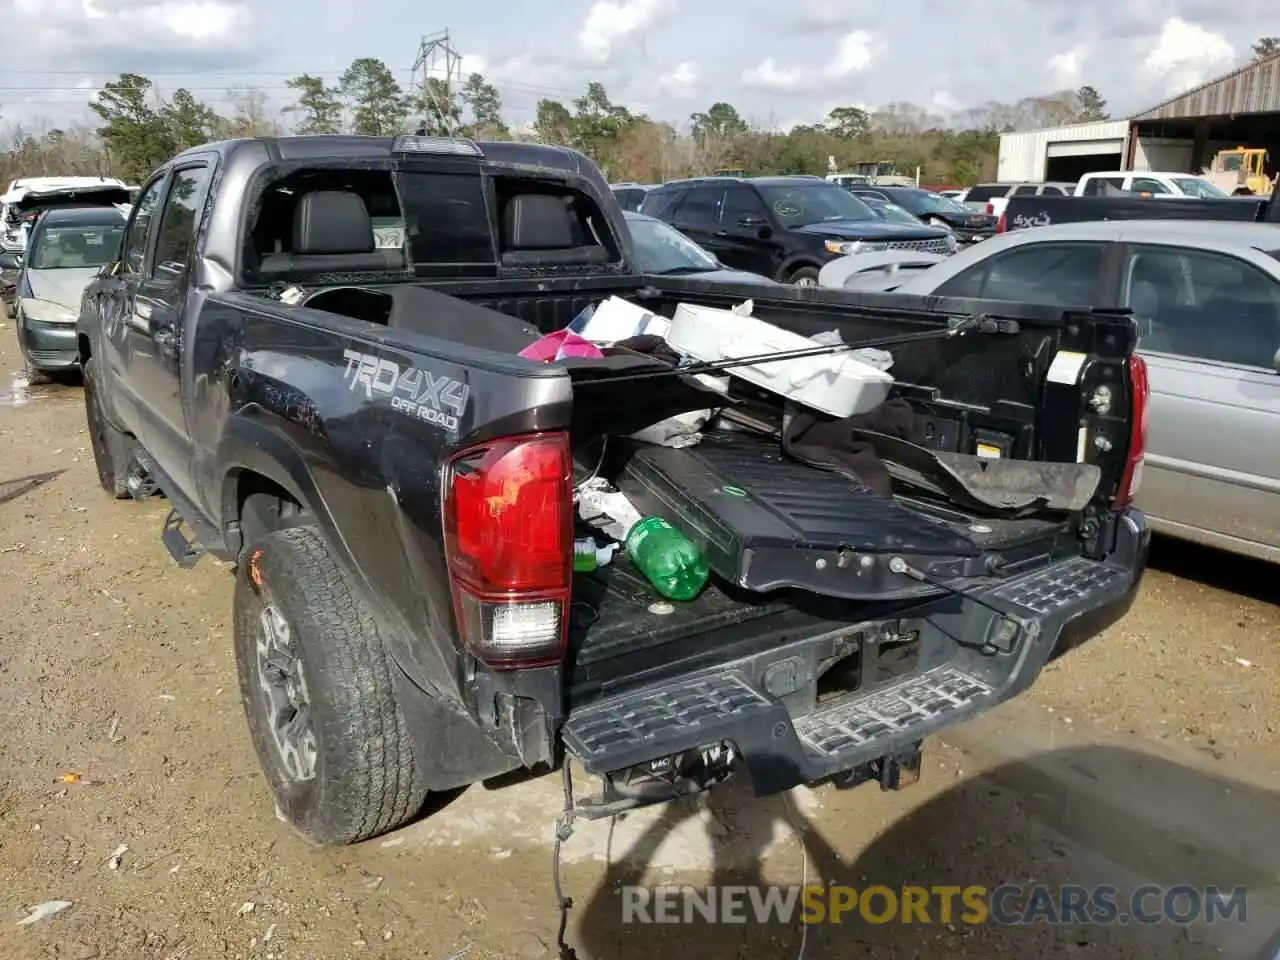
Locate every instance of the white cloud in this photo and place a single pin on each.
(682, 82)
(200, 21)
(611, 21)
(472, 63)
(1066, 67)
(857, 51)
(767, 75)
(1186, 54)
(943, 101)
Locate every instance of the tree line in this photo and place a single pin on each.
(137, 128)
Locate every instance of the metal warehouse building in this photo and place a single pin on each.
(1182, 135)
(1062, 153)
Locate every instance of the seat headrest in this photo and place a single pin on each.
(332, 221)
(538, 222)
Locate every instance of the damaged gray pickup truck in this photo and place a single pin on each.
(309, 346)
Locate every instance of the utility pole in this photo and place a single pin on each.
(437, 59)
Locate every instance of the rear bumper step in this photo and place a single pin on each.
(957, 678)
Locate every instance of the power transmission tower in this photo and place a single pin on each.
(438, 60)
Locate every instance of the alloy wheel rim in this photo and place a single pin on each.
(285, 698)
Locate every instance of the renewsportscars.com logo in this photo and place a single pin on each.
(1014, 905)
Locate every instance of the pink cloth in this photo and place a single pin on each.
(561, 344)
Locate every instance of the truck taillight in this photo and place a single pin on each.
(991, 209)
(508, 518)
(1140, 390)
(1002, 224)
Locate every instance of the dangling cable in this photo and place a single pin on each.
(564, 830)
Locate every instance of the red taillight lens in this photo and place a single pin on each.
(991, 209)
(509, 545)
(1002, 224)
(1140, 389)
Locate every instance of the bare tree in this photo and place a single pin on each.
(251, 116)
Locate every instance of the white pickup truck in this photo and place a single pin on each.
(1174, 185)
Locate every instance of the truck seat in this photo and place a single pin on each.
(538, 229)
(332, 233)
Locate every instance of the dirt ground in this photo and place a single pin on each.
(1151, 755)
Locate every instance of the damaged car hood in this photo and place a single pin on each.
(64, 286)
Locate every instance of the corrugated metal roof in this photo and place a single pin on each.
(1089, 130)
(1253, 88)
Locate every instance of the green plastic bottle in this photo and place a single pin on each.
(672, 562)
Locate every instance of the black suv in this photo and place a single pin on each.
(968, 225)
(785, 228)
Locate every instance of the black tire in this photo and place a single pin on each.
(804, 277)
(113, 450)
(364, 780)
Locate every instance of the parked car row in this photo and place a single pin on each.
(57, 232)
(1206, 297)
(784, 228)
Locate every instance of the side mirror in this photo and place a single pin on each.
(10, 261)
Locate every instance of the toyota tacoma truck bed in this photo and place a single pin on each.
(339, 412)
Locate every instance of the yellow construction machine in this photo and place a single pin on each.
(1241, 169)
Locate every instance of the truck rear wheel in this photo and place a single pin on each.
(113, 450)
(318, 692)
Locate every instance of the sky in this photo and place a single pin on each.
(778, 64)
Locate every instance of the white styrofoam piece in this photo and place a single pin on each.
(617, 319)
(837, 384)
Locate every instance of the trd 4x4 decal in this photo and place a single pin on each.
(417, 393)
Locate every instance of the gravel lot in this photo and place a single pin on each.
(1150, 755)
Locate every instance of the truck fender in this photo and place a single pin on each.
(249, 444)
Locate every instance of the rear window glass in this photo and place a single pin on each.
(446, 218)
(985, 191)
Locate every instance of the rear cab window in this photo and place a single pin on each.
(1103, 186)
(447, 223)
(986, 191)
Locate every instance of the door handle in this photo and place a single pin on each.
(722, 233)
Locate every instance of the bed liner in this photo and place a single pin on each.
(766, 522)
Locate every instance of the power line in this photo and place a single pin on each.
(436, 54)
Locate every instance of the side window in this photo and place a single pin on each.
(629, 198)
(661, 204)
(181, 219)
(1147, 185)
(701, 208)
(135, 241)
(1051, 191)
(741, 201)
(1054, 274)
(1026, 190)
(1203, 305)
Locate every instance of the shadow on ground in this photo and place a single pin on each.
(1091, 815)
(21, 486)
(1216, 568)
